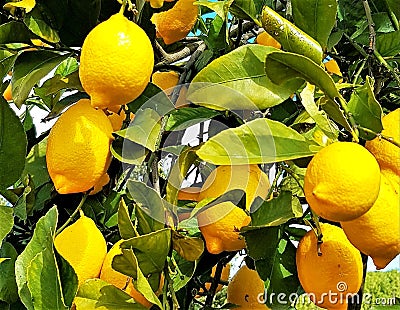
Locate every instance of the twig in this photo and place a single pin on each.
(371, 27)
(171, 58)
(73, 214)
(380, 136)
(387, 66)
(240, 33)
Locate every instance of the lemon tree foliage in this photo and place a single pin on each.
(148, 147)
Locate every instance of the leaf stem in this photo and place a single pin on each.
(381, 136)
(383, 62)
(372, 34)
(392, 16)
(349, 115)
(171, 289)
(73, 214)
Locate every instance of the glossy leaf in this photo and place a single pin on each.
(183, 271)
(6, 62)
(14, 32)
(238, 81)
(149, 202)
(219, 7)
(38, 25)
(244, 9)
(69, 280)
(13, 144)
(258, 141)
(151, 251)
(29, 68)
(190, 248)
(97, 294)
(8, 286)
(36, 164)
(184, 118)
(6, 220)
(36, 263)
(366, 110)
(144, 129)
(315, 17)
(275, 261)
(28, 5)
(274, 212)
(58, 82)
(128, 152)
(125, 226)
(388, 44)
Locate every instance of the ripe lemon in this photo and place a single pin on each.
(342, 181)
(7, 95)
(329, 277)
(118, 279)
(377, 232)
(264, 38)
(83, 246)
(117, 118)
(116, 62)
(174, 25)
(78, 148)
(221, 223)
(246, 289)
(166, 80)
(387, 154)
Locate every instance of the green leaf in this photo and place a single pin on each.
(149, 202)
(29, 68)
(151, 251)
(394, 7)
(388, 44)
(142, 285)
(366, 110)
(43, 282)
(258, 141)
(238, 81)
(184, 118)
(128, 152)
(282, 66)
(183, 271)
(27, 5)
(67, 67)
(125, 226)
(58, 106)
(144, 129)
(275, 261)
(57, 83)
(8, 286)
(36, 164)
(244, 9)
(216, 38)
(6, 220)
(14, 32)
(320, 118)
(274, 212)
(37, 24)
(178, 173)
(6, 62)
(36, 263)
(190, 248)
(13, 144)
(96, 294)
(315, 17)
(69, 280)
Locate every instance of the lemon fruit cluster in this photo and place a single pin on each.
(175, 24)
(221, 223)
(118, 279)
(246, 289)
(116, 62)
(83, 246)
(78, 149)
(332, 274)
(342, 181)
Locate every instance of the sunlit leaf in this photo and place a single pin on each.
(190, 248)
(6, 220)
(125, 226)
(28, 5)
(8, 285)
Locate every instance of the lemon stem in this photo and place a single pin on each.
(123, 6)
(353, 124)
(78, 209)
(171, 289)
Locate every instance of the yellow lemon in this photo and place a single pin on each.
(330, 277)
(174, 25)
(83, 246)
(78, 149)
(246, 289)
(342, 181)
(221, 223)
(387, 154)
(377, 232)
(7, 95)
(264, 38)
(166, 80)
(116, 62)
